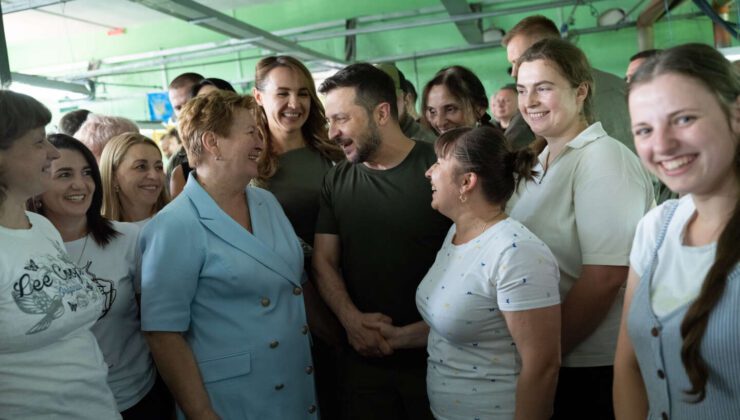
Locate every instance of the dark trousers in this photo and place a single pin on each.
(327, 379)
(584, 393)
(157, 404)
(374, 391)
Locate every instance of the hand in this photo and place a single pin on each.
(366, 341)
(390, 332)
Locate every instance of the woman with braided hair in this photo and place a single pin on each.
(678, 355)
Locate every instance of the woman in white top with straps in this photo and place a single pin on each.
(678, 355)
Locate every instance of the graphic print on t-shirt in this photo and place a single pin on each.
(47, 283)
(107, 289)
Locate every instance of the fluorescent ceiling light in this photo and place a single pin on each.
(611, 17)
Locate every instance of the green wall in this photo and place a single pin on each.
(608, 51)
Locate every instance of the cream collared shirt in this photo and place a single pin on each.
(586, 207)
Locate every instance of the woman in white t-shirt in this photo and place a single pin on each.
(50, 363)
(585, 205)
(108, 252)
(678, 354)
(490, 299)
(133, 179)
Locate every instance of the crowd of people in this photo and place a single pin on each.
(350, 259)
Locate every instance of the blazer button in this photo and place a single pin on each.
(309, 369)
(311, 408)
(265, 301)
(661, 374)
(304, 330)
(297, 291)
(654, 332)
(664, 415)
(274, 344)
(278, 387)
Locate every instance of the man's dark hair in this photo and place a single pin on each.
(220, 84)
(408, 88)
(372, 86)
(72, 121)
(185, 79)
(644, 54)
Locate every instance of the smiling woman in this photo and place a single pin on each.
(133, 178)
(685, 108)
(107, 251)
(222, 273)
(47, 304)
(591, 187)
(455, 97)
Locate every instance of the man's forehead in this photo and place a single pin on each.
(340, 99)
(521, 42)
(182, 90)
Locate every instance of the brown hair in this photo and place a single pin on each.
(707, 66)
(213, 113)
(536, 26)
(465, 86)
(19, 114)
(314, 129)
(111, 158)
(485, 152)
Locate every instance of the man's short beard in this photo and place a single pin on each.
(369, 145)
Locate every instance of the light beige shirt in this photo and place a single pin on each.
(586, 207)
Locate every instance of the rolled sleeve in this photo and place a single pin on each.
(172, 256)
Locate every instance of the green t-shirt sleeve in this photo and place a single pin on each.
(327, 222)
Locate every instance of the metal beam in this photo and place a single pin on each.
(72, 71)
(50, 84)
(469, 29)
(20, 6)
(438, 21)
(198, 14)
(184, 54)
(5, 77)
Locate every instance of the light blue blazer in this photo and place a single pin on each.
(237, 298)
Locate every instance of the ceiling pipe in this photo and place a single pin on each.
(722, 38)
(470, 30)
(437, 21)
(29, 5)
(652, 13)
(206, 17)
(189, 53)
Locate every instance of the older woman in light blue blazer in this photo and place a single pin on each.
(222, 271)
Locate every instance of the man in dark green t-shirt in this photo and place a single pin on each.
(376, 237)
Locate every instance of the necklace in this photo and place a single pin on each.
(461, 238)
(84, 245)
(489, 223)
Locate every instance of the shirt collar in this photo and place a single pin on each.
(594, 132)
